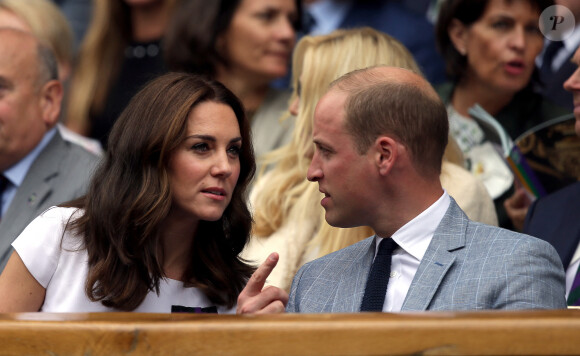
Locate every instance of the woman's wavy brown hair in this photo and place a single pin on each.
(129, 198)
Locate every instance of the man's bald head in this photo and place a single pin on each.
(44, 61)
(361, 78)
(399, 103)
(31, 99)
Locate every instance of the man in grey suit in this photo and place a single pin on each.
(380, 134)
(39, 169)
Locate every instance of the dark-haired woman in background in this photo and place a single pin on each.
(489, 48)
(245, 44)
(119, 54)
(163, 221)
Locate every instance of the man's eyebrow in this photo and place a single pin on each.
(319, 144)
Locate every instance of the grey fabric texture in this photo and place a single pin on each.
(467, 266)
(61, 172)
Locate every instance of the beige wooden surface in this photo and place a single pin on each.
(433, 333)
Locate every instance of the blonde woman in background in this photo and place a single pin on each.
(287, 212)
(44, 20)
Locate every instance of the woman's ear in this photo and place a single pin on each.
(386, 153)
(458, 34)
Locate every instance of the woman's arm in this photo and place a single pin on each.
(19, 290)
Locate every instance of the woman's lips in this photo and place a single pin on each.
(215, 193)
(514, 67)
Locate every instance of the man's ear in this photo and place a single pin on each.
(458, 35)
(386, 153)
(50, 102)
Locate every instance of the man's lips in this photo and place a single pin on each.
(325, 199)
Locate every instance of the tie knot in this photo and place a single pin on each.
(3, 182)
(386, 247)
(549, 54)
(554, 47)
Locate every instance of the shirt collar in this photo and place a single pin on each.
(17, 172)
(328, 15)
(415, 236)
(572, 41)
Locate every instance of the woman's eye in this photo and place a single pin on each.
(534, 30)
(200, 147)
(501, 24)
(266, 15)
(234, 151)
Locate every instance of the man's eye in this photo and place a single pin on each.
(324, 151)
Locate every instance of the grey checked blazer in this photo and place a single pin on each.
(61, 172)
(467, 266)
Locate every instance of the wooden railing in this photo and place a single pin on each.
(432, 333)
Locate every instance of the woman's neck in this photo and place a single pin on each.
(149, 22)
(467, 93)
(250, 91)
(176, 242)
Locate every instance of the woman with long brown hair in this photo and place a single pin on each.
(163, 221)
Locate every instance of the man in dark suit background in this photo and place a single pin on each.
(38, 167)
(556, 217)
(404, 20)
(554, 61)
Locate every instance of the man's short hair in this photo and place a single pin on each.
(47, 65)
(411, 114)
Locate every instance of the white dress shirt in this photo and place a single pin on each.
(413, 239)
(572, 269)
(327, 15)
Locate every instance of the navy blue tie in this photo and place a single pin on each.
(3, 185)
(376, 287)
(549, 54)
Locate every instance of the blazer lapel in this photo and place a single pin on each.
(438, 259)
(35, 188)
(351, 287)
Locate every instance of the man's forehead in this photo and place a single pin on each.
(330, 108)
(16, 51)
(13, 47)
